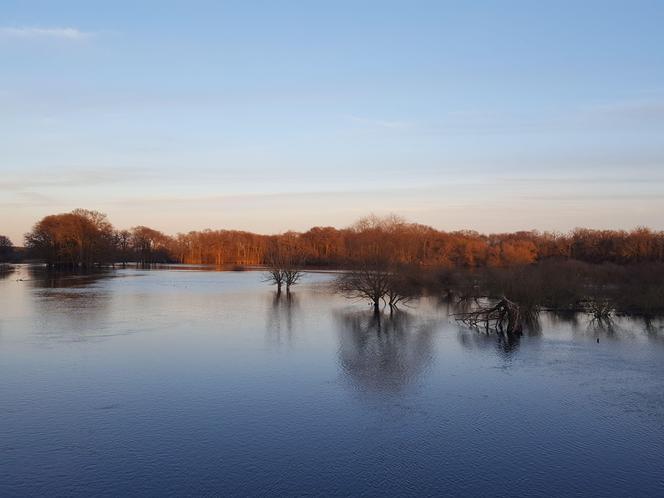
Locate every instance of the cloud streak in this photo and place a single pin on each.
(29, 32)
(68, 178)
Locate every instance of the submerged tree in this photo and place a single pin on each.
(284, 261)
(503, 317)
(377, 272)
(292, 275)
(377, 283)
(275, 276)
(365, 283)
(401, 289)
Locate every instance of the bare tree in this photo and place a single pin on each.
(282, 272)
(367, 282)
(292, 258)
(275, 276)
(377, 283)
(292, 276)
(400, 289)
(284, 260)
(6, 248)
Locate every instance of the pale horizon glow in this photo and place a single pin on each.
(497, 116)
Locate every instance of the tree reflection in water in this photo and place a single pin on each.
(505, 345)
(70, 301)
(281, 311)
(383, 353)
(40, 278)
(6, 271)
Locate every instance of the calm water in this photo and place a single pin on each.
(189, 382)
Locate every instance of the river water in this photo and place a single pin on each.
(188, 382)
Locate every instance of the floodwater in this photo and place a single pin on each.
(183, 382)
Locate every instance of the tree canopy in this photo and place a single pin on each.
(85, 238)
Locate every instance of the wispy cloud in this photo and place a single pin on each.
(29, 32)
(579, 180)
(89, 177)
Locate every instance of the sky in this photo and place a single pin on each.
(267, 116)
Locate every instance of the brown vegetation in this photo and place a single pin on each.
(78, 239)
(86, 238)
(564, 288)
(377, 272)
(389, 261)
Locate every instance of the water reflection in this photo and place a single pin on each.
(605, 325)
(532, 325)
(280, 314)
(615, 329)
(41, 278)
(70, 306)
(383, 353)
(504, 345)
(654, 328)
(454, 305)
(564, 317)
(6, 271)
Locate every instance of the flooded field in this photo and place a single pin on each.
(189, 382)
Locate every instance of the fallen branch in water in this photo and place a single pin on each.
(504, 317)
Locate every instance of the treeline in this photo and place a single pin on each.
(85, 238)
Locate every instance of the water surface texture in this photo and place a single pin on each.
(173, 382)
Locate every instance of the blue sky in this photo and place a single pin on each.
(268, 116)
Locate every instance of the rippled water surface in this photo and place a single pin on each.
(175, 382)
